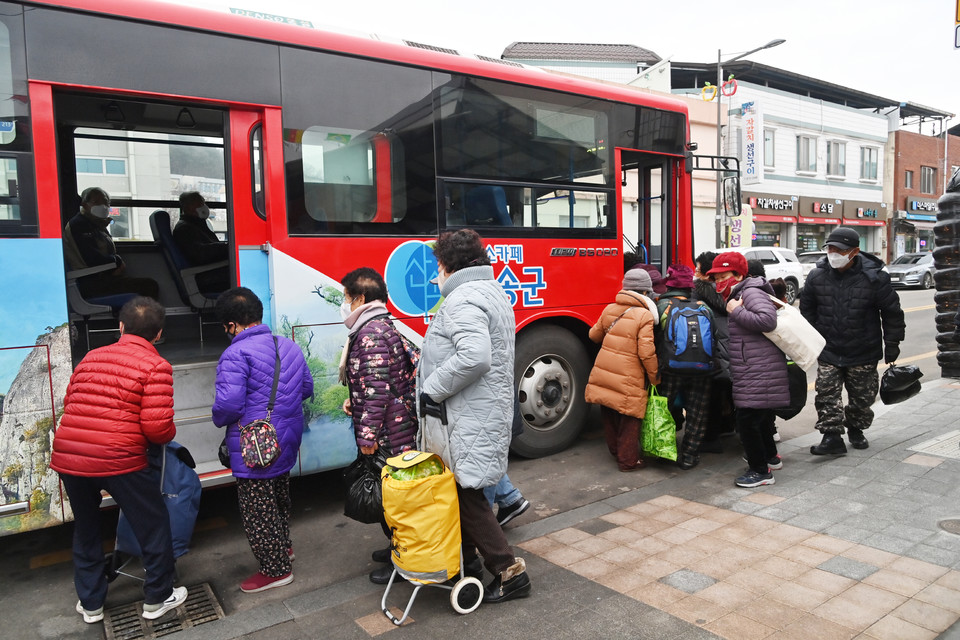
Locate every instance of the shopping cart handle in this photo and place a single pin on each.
(429, 407)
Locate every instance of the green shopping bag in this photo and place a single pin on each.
(659, 436)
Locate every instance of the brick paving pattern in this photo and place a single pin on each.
(744, 577)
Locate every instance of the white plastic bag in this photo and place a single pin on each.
(795, 336)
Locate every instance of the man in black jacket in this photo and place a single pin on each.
(199, 244)
(851, 303)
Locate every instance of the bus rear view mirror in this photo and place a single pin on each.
(731, 196)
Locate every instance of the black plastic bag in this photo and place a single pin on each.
(364, 494)
(224, 453)
(893, 396)
(797, 379)
(897, 378)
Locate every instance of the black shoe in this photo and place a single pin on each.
(516, 587)
(473, 568)
(856, 438)
(688, 461)
(381, 575)
(831, 445)
(381, 555)
(506, 514)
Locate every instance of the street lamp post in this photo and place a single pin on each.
(721, 220)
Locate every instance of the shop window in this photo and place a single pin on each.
(836, 158)
(908, 180)
(928, 179)
(806, 154)
(868, 163)
(769, 148)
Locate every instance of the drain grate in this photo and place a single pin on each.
(126, 623)
(945, 446)
(951, 525)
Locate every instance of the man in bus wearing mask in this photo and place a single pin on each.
(88, 243)
(199, 244)
(851, 303)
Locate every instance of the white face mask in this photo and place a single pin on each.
(345, 310)
(837, 260)
(203, 212)
(100, 211)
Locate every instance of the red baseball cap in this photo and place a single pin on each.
(729, 261)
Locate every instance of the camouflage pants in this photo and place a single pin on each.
(862, 383)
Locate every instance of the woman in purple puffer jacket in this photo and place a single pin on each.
(758, 369)
(244, 382)
(377, 370)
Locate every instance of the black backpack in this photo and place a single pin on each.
(687, 338)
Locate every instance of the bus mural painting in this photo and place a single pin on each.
(305, 184)
(34, 371)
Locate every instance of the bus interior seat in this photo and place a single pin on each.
(96, 308)
(486, 205)
(184, 276)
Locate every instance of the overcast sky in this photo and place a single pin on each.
(899, 50)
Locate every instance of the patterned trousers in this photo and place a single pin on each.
(265, 514)
(693, 394)
(862, 383)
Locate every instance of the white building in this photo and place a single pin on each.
(808, 165)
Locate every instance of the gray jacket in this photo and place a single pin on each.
(467, 363)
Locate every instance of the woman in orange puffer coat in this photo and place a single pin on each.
(627, 362)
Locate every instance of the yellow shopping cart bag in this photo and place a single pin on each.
(423, 514)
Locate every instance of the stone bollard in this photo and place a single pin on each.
(946, 256)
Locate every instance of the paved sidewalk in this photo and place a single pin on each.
(839, 547)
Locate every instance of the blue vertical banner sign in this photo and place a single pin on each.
(752, 132)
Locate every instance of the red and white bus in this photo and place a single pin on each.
(318, 153)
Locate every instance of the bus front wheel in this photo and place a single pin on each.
(551, 373)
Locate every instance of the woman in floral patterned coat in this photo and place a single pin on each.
(377, 371)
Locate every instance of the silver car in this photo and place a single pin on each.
(912, 270)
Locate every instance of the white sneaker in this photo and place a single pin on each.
(90, 616)
(154, 611)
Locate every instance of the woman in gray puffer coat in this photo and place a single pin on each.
(757, 366)
(465, 385)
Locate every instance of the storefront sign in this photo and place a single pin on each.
(752, 132)
(763, 203)
(922, 205)
(768, 218)
(806, 220)
(921, 217)
(822, 207)
(861, 212)
(777, 204)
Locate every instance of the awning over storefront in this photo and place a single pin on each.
(769, 218)
(806, 220)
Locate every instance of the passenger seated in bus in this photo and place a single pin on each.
(199, 244)
(486, 205)
(88, 243)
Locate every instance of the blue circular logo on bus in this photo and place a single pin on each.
(409, 270)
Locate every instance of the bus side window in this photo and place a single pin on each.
(256, 170)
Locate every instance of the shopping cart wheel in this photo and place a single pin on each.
(112, 567)
(466, 595)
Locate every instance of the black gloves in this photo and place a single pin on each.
(891, 351)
